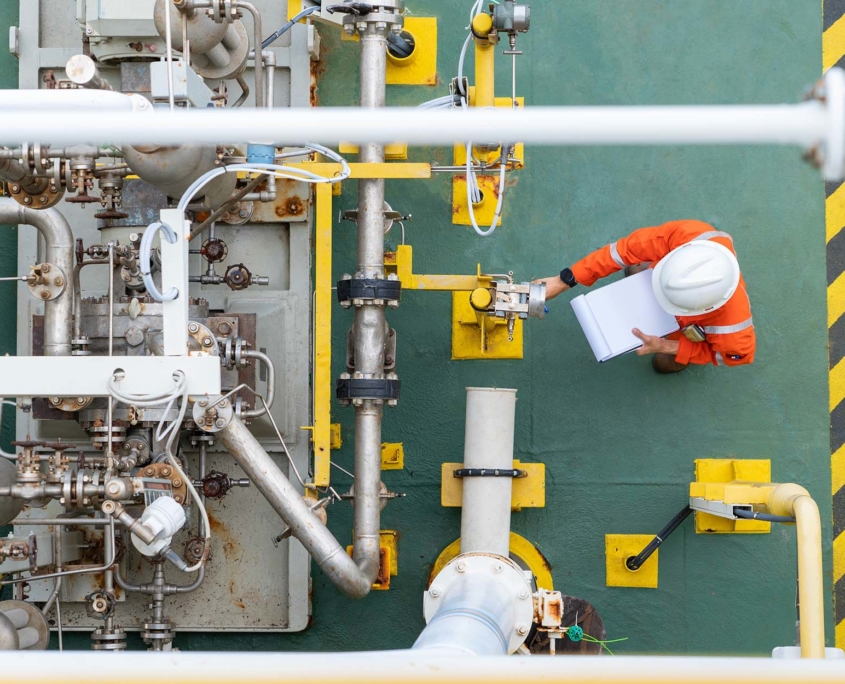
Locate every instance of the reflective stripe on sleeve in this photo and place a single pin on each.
(727, 329)
(614, 253)
(712, 234)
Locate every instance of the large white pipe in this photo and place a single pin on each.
(66, 101)
(488, 444)
(802, 124)
(409, 667)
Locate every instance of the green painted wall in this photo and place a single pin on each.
(618, 440)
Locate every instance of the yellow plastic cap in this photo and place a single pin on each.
(482, 24)
(480, 299)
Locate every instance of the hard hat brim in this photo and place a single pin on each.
(668, 306)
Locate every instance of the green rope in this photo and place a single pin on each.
(576, 633)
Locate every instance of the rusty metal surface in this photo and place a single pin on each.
(292, 205)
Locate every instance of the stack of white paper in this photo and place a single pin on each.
(608, 314)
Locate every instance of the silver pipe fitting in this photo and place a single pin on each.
(353, 577)
(58, 240)
(267, 403)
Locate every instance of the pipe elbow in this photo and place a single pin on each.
(781, 499)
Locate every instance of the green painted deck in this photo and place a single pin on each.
(618, 440)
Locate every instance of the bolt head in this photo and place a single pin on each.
(392, 402)
(396, 29)
(206, 342)
(348, 28)
(523, 594)
(133, 237)
(200, 420)
(361, 26)
(498, 567)
(381, 25)
(434, 591)
(45, 294)
(522, 630)
(220, 423)
(55, 400)
(193, 327)
(461, 567)
(243, 213)
(357, 402)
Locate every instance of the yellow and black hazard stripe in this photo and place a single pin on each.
(833, 51)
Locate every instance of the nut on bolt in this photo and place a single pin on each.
(434, 591)
(461, 566)
(193, 327)
(522, 630)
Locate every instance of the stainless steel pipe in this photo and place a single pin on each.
(369, 325)
(58, 241)
(353, 577)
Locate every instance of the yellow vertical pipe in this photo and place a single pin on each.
(322, 335)
(793, 500)
(485, 60)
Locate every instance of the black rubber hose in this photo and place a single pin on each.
(273, 38)
(765, 517)
(635, 562)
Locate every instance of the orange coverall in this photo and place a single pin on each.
(729, 329)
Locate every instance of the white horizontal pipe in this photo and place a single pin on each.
(409, 667)
(21, 101)
(804, 124)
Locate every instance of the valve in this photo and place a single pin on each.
(216, 485)
(509, 300)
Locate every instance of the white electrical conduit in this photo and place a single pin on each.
(806, 125)
(408, 667)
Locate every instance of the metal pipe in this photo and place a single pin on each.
(267, 403)
(409, 667)
(82, 70)
(369, 325)
(71, 100)
(803, 124)
(476, 618)
(793, 500)
(488, 443)
(353, 577)
(258, 36)
(168, 42)
(58, 241)
(269, 58)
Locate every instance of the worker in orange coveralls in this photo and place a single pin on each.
(696, 278)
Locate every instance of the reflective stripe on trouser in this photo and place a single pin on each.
(614, 254)
(719, 360)
(728, 329)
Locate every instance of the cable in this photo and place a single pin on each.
(273, 38)
(766, 517)
(145, 253)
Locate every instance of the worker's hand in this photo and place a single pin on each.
(554, 286)
(655, 345)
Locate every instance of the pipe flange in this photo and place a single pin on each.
(47, 282)
(50, 196)
(213, 414)
(508, 581)
(201, 341)
(360, 291)
(354, 390)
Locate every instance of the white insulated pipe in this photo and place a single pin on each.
(88, 101)
(408, 667)
(801, 124)
(488, 444)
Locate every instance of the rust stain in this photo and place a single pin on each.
(240, 604)
(293, 206)
(318, 68)
(231, 547)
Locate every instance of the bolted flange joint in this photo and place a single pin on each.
(355, 390)
(368, 291)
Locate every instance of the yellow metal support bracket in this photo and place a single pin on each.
(726, 479)
(392, 456)
(388, 559)
(528, 492)
(420, 67)
(520, 549)
(618, 548)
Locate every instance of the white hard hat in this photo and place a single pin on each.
(695, 278)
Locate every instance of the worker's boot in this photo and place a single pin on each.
(665, 363)
(637, 268)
